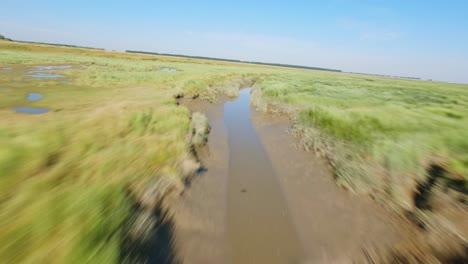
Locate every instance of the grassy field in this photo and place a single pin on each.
(381, 135)
(114, 128)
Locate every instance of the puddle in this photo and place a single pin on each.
(41, 75)
(51, 68)
(7, 69)
(34, 97)
(168, 70)
(30, 110)
(41, 72)
(259, 226)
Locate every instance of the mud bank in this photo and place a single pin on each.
(430, 211)
(334, 225)
(285, 210)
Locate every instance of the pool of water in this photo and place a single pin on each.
(30, 110)
(51, 68)
(43, 72)
(167, 70)
(40, 75)
(34, 97)
(7, 69)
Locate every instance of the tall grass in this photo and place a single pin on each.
(379, 134)
(68, 178)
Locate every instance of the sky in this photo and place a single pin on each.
(416, 38)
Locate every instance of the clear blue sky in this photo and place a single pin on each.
(427, 39)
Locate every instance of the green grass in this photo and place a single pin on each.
(379, 133)
(115, 128)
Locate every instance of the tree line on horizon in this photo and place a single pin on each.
(231, 60)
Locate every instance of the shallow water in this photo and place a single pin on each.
(259, 226)
(40, 75)
(41, 72)
(168, 70)
(51, 68)
(263, 200)
(7, 69)
(30, 110)
(34, 97)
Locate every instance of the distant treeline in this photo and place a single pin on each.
(229, 60)
(4, 38)
(387, 76)
(58, 45)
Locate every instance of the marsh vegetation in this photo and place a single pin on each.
(114, 131)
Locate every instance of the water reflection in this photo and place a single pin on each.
(34, 97)
(40, 72)
(51, 68)
(41, 75)
(30, 110)
(168, 70)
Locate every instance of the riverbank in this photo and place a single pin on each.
(406, 157)
(327, 223)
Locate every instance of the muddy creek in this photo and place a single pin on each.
(259, 226)
(262, 200)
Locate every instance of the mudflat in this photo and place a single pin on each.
(263, 200)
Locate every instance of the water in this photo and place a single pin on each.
(259, 227)
(40, 75)
(51, 68)
(168, 70)
(30, 110)
(40, 72)
(7, 69)
(34, 97)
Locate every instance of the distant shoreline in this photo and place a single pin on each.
(56, 44)
(239, 61)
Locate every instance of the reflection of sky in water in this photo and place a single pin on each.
(40, 72)
(7, 69)
(34, 97)
(51, 68)
(30, 110)
(168, 70)
(41, 75)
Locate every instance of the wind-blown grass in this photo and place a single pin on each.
(68, 177)
(379, 134)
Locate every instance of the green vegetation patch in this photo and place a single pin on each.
(367, 124)
(68, 177)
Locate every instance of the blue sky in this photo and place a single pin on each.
(427, 39)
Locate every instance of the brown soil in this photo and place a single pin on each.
(200, 235)
(334, 225)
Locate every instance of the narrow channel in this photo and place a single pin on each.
(262, 200)
(260, 229)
